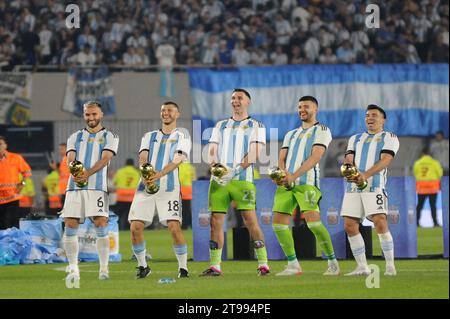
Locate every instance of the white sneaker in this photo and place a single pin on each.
(333, 269)
(360, 271)
(390, 271)
(291, 271)
(103, 275)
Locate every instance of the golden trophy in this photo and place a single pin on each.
(218, 170)
(148, 171)
(76, 169)
(349, 171)
(278, 175)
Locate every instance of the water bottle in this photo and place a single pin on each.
(166, 281)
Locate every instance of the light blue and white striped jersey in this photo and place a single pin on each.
(299, 143)
(88, 148)
(161, 151)
(234, 139)
(367, 149)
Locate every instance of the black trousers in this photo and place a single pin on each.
(421, 202)
(122, 210)
(186, 213)
(9, 215)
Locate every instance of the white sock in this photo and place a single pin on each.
(103, 252)
(358, 249)
(181, 253)
(142, 261)
(387, 245)
(71, 247)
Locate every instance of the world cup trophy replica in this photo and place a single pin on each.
(147, 171)
(278, 175)
(218, 170)
(349, 171)
(76, 169)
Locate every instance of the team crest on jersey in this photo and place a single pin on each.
(378, 140)
(369, 140)
(308, 135)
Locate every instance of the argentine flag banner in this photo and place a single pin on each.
(414, 96)
(85, 84)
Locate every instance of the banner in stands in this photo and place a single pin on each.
(84, 84)
(415, 96)
(15, 98)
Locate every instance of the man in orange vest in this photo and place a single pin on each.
(51, 189)
(186, 172)
(428, 173)
(11, 165)
(126, 181)
(63, 171)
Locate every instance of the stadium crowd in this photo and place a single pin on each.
(229, 32)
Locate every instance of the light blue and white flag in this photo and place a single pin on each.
(84, 84)
(415, 96)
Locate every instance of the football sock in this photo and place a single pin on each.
(358, 249)
(181, 253)
(261, 252)
(215, 254)
(103, 247)
(71, 246)
(387, 245)
(139, 251)
(324, 239)
(286, 241)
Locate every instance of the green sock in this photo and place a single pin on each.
(261, 252)
(285, 239)
(216, 256)
(324, 239)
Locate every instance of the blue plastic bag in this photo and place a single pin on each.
(15, 245)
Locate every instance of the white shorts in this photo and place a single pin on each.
(168, 205)
(84, 204)
(363, 205)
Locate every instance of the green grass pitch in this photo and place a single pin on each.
(416, 278)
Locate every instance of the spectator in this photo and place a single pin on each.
(439, 150)
(131, 58)
(165, 53)
(258, 57)
(85, 57)
(428, 173)
(240, 56)
(345, 53)
(279, 57)
(328, 57)
(312, 48)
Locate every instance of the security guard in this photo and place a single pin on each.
(126, 181)
(428, 173)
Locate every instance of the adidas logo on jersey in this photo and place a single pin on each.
(175, 214)
(380, 207)
(100, 210)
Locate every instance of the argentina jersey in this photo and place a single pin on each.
(233, 139)
(299, 143)
(161, 151)
(88, 148)
(367, 149)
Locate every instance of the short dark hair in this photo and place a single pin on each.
(92, 102)
(243, 91)
(3, 139)
(376, 107)
(129, 161)
(172, 103)
(426, 150)
(309, 98)
(439, 132)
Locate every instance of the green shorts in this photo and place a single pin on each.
(305, 196)
(242, 192)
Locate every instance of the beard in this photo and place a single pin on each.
(93, 123)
